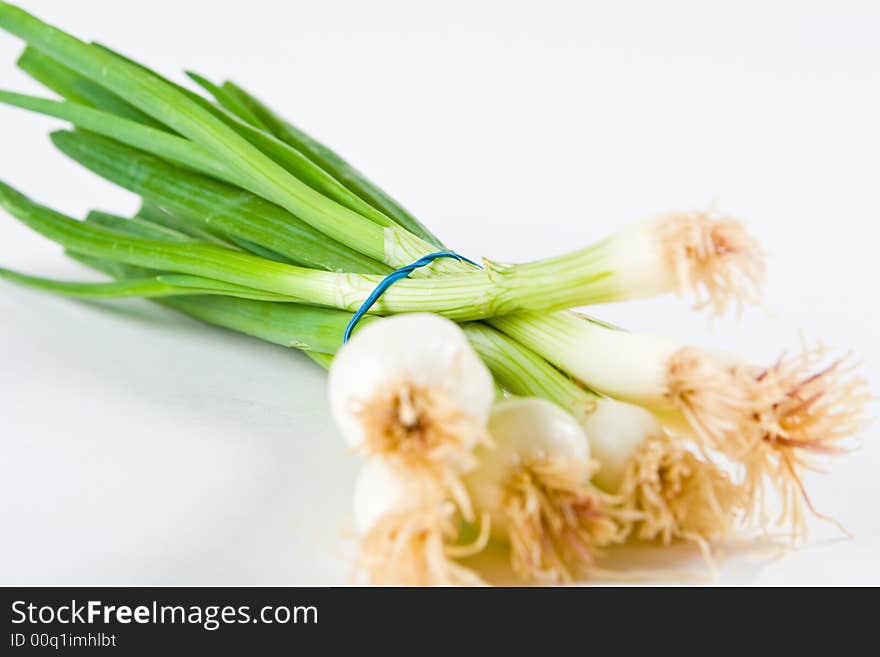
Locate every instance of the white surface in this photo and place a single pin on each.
(143, 448)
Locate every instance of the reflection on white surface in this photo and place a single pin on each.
(164, 451)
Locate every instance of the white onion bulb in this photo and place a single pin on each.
(411, 375)
(615, 431)
(535, 487)
(526, 431)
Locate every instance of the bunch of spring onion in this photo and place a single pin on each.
(484, 408)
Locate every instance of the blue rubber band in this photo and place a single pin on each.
(392, 278)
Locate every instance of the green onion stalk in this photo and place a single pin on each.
(268, 167)
(459, 296)
(294, 172)
(301, 193)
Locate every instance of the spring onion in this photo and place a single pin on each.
(247, 222)
(532, 483)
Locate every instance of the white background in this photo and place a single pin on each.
(139, 447)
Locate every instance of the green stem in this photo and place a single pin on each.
(239, 119)
(519, 325)
(574, 279)
(318, 330)
(166, 104)
(213, 205)
(154, 286)
(523, 372)
(165, 145)
(142, 227)
(327, 159)
(74, 87)
(229, 101)
(494, 291)
(306, 328)
(447, 295)
(516, 368)
(161, 216)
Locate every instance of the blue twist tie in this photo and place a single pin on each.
(392, 278)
